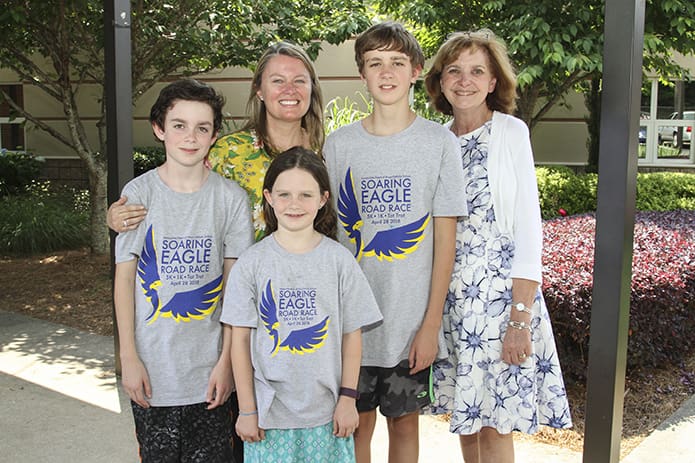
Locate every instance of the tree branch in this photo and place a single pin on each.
(37, 122)
(30, 72)
(568, 83)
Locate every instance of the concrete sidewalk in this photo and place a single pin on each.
(60, 402)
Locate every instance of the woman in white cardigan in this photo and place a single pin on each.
(502, 374)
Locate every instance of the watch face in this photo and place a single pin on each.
(521, 307)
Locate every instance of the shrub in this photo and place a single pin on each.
(147, 158)
(665, 191)
(662, 296)
(17, 170)
(560, 188)
(43, 219)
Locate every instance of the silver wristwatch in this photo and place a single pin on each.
(521, 307)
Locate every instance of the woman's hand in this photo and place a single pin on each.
(121, 217)
(516, 347)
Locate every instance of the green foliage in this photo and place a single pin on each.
(343, 111)
(560, 188)
(663, 151)
(554, 44)
(173, 38)
(147, 158)
(17, 170)
(43, 219)
(665, 191)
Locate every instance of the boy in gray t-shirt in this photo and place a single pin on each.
(170, 272)
(398, 184)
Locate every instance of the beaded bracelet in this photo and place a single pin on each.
(255, 412)
(519, 325)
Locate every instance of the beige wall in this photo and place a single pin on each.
(335, 66)
(560, 138)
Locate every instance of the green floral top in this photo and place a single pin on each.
(240, 156)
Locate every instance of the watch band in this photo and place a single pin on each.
(348, 392)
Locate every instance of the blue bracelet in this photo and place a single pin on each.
(255, 412)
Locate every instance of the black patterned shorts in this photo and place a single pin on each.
(394, 390)
(187, 433)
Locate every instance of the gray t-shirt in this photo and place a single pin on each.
(180, 247)
(387, 190)
(298, 307)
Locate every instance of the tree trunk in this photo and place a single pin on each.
(99, 236)
(526, 105)
(592, 99)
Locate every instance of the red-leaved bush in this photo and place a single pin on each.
(662, 301)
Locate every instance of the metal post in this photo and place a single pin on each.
(615, 218)
(119, 110)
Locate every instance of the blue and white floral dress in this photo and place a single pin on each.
(473, 383)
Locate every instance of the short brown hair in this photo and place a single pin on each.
(392, 36)
(503, 98)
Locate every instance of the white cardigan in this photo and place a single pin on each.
(512, 178)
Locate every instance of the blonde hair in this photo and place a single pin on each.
(312, 121)
(503, 98)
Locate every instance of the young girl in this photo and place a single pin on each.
(297, 302)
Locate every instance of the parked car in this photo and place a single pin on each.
(670, 133)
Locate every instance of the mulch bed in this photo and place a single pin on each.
(74, 288)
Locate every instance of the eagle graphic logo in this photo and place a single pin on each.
(298, 341)
(386, 244)
(195, 304)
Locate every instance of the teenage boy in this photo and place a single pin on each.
(175, 354)
(399, 190)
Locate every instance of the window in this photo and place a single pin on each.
(665, 127)
(11, 128)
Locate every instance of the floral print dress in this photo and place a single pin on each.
(241, 157)
(473, 383)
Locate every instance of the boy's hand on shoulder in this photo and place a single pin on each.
(424, 348)
(122, 217)
(247, 428)
(136, 381)
(220, 384)
(345, 418)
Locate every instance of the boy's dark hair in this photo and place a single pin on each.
(391, 36)
(188, 90)
(326, 221)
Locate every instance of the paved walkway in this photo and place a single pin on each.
(60, 402)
